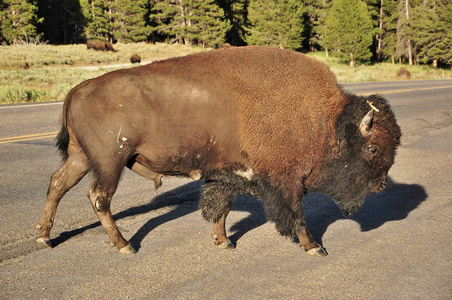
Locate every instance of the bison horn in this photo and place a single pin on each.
(366, 123)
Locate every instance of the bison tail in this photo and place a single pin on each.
(63, 141)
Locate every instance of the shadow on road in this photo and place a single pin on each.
(394, 203)
(184, 194)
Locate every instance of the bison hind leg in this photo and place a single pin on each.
(143, 171)
(215, 203)
(103, 187)
(71, 172)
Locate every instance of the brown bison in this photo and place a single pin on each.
(252, 120)
(99, 45)
(404, 73)
(225, 45)
(135, 58)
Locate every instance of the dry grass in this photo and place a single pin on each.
(41, 84)
(77, 55)
(54, 70)
(384, 71)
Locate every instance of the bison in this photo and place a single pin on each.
(255, 120)
(99, 45)
(135, 58)
(403, 73)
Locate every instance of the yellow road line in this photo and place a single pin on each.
(406, 90)
(28, 137)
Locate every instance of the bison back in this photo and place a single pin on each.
(258, 107)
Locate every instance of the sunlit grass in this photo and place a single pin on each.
(54, 70)
(384, 71)
(41, 84)
(77, 55)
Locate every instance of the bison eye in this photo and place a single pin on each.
(372, 151)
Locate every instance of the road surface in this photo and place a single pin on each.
(397, 247)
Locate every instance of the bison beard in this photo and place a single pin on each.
(257, 121)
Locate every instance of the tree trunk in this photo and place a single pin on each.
(380, 34)
(187, 22)
(352, 62)
(410, 59)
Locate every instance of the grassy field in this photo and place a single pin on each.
(54, 70)
(384, 71)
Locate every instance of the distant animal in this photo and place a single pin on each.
(109, 46)
(25, 65)
(99, 45)
(404, 73)
(135, 58)
(225, 45)
(255, 120)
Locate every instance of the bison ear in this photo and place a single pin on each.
(366, 123)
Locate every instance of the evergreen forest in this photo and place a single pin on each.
(414, 31)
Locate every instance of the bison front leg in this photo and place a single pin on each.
(216, 202)
(288, 216)
(307, 242)
(219, 232)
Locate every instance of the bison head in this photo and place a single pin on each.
(368, 136)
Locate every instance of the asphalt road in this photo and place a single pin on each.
(397, 247)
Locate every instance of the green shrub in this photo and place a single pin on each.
(15, 94)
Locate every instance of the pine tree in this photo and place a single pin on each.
(314, 23)
(207, 23)
(63, 21)
(163, 14)
(191, 21)
(236, 12)
(2, 18)
(19, 20)
(349, 30)
(431, 31)
(99, 16)
(131, 20)
(377, 12)
(403, 46)
(389, 30)
(276, 23)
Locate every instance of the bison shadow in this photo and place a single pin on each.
(392, 204)
(186, 194)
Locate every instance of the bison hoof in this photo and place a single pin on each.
(223, 245)
(317, 252)
(44, 241)
(226, 245)
(127, 249)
